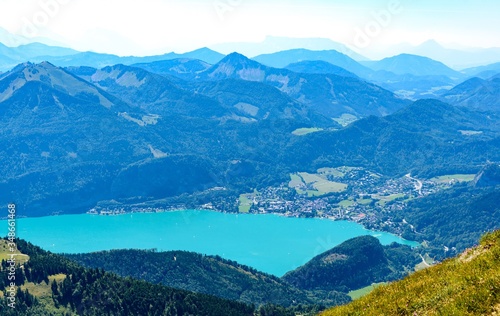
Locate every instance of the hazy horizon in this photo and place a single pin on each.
(161, 26)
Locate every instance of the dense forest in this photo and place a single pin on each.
(452, 220)
(85, 291)
(206, 274)
(323, 281)
(354, 264)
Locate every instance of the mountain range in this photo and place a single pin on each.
(82, 129)
(274, 44)
(426, 133)
(65, 57)
(410, 76)
(328, 94)
(452, 55)
(233, 128)
(476, 93)
(283, 58)
(414, 65)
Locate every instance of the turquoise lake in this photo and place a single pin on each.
(269, 243)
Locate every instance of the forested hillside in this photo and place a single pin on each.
(354, 264)
(206, 274)
(77, 290)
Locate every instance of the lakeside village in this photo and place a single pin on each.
(343, 193)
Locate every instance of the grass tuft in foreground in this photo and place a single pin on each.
(466, 285)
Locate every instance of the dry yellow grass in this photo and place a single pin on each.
(467, 285)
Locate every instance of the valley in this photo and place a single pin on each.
(343, 193)
(280, 182)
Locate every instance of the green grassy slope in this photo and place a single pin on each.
(466, 285)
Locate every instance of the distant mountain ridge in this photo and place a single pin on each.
(410, 76)
(328, 94)
(183, 68)
(476, 93)
(70, 125)
(87, 135)
(426, 133)
(65, 57)
(483, 72)
(414, 65)
(458, 58)
(274, 44)
(319, 67)
(284, 58)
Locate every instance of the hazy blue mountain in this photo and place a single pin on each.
(38, 49)
(319, 67)
(98, 60)
(80, 144)
(10, 39)
(236, 100)
(65, 57)
(407, 85)
(483, 72)
(84, 135)
(183, 68)
(14, 40)
(460, 57)
(8, 58)
(328, 94)
(7, 62)
(63, 130)
(54, 78)
(412, 87)
(274, 44)
(414, 65)
(477, 94)
(453, 56)
(90, 59)
(258, 101)
(7, 52)
(205, 54)
(427, 138)
(284, 58)
(153, 93)
(134, 134)
(11, 56)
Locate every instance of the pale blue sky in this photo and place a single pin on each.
(154, 26)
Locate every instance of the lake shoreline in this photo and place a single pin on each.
(269, 243)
